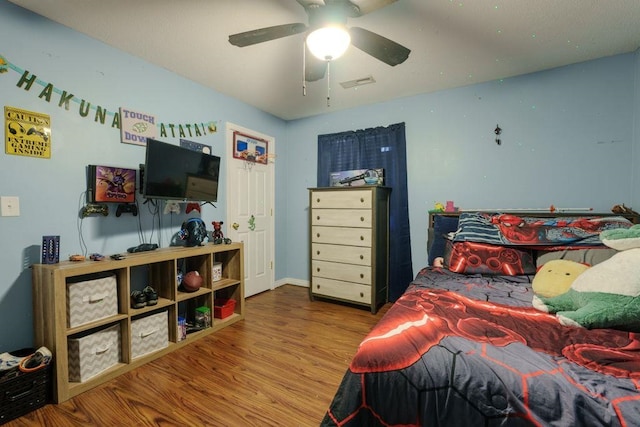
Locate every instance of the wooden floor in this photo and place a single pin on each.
(280, 366)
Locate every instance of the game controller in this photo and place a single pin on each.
(93, 208)
(192, 207)
(127, 208)
(171, 207)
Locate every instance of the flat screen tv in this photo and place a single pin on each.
(178, 173)
(110, 184)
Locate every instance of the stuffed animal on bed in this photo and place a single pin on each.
(606, 295)
(556, 276)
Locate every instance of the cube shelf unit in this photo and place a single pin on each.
(157, 268)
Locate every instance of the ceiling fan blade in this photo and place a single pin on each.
(308, 3)
(261, 35)
(314, 68)
(379, 47)
(368, 6)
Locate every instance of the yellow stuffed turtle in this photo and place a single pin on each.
(556, 276)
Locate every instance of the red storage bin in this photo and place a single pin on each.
(223, 308)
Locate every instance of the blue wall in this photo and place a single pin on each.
(50, 189)
(570, 138)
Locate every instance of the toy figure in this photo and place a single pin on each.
(450, 207)
(217, 235)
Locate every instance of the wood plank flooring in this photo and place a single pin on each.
(280, 366)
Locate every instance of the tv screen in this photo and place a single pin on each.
(178, 173)
(109, 184)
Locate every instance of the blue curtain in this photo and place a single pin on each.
(381, 147)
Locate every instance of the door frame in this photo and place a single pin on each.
(229, 129)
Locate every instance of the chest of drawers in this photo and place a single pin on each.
(349, 241)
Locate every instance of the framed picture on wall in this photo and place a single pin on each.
(252, 149)
(108, 184)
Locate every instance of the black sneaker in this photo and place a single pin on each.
(151, 296)
(138, 299)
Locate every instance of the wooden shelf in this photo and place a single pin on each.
(157, 268)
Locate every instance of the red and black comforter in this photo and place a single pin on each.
(470, 351)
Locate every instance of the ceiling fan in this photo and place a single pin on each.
(331, 13)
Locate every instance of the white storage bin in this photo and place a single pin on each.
(91, 354)
(149, 334)
(91, 300)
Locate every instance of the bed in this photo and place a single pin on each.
(463, 345)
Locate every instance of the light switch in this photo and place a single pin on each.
(9, 206)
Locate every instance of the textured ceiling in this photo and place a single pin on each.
(453, 43)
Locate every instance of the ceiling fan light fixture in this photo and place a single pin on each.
(328, 43)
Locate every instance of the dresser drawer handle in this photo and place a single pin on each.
(361, 256)
(317, 252)
(361, 294)
(318, 269)
(361, 199)
(318, 200)
(361, 276)
(317, 286)
(318, 217)
(361, 237)
(318, 235)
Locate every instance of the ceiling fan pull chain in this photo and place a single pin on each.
(304, 68)
(328, 83)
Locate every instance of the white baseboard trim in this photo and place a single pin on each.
(291, 281)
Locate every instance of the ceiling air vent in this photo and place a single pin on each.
(358, 82)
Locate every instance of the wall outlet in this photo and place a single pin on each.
(9, 206)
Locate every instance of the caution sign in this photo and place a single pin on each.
(27, 133)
